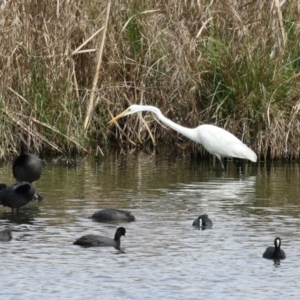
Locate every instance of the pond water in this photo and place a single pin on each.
(164, 256)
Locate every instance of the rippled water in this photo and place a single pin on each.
(165, 257)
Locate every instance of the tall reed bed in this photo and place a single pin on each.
(66, 67)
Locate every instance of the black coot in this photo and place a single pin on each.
(92, 240)
(16, 195)
(27, 167)
(203, 221)
(275, 252)
(113, 215)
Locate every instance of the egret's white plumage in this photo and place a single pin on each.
(214, 139)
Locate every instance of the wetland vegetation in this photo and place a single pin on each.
(67, 67)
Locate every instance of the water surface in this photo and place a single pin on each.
(164, 256)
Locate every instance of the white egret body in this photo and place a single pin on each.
(214, 139)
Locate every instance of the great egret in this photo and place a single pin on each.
(214, 139)
(91, 240)
(275, 253)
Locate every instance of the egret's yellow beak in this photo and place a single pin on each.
(118, 116)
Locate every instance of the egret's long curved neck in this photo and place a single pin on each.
(188, 132)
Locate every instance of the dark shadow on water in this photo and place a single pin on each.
(24, 216)
(118, 251)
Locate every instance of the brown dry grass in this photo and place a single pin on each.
(231, 63)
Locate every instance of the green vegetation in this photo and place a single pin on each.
(235, 64)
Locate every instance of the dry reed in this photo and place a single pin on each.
(232, 63)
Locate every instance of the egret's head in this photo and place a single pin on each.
(129, 111)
